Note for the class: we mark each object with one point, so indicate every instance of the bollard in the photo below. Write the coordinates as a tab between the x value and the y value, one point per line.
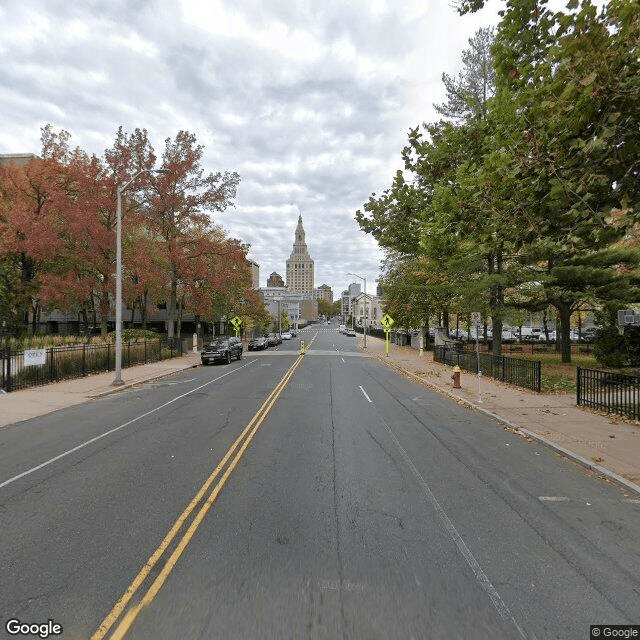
302	347
456	377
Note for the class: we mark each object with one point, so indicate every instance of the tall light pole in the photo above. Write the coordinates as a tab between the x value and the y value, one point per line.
119	189
365	306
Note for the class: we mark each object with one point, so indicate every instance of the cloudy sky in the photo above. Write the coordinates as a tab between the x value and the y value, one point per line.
310	101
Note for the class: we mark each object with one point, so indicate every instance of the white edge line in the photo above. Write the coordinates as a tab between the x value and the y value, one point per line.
122	426
480	575
365	394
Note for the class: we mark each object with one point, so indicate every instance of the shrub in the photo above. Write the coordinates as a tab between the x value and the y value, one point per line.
139	335
614	350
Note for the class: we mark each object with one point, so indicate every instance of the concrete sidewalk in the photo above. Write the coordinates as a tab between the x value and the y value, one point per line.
605	443
36	401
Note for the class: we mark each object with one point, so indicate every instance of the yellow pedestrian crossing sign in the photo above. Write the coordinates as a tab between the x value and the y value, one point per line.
236	322
386	321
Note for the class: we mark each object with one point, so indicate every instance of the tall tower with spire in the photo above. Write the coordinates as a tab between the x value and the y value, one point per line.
300	264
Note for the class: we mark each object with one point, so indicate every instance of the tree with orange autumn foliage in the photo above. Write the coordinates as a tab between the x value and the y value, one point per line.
57	230
178	214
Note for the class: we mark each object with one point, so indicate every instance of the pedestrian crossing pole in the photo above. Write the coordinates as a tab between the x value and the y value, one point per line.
386	321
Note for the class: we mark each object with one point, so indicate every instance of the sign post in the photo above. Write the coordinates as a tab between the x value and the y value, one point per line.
387	322
475	321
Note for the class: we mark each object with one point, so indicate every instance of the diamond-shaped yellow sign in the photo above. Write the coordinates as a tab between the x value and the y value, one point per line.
386	321
236	322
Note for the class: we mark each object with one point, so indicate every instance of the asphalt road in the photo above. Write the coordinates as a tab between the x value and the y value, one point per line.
355	504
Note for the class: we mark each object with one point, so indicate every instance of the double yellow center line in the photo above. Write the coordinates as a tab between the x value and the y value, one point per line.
233	455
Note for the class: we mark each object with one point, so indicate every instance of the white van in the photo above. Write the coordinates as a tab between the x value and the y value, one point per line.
529	334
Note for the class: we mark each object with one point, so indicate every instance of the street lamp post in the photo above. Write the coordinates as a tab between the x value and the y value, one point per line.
119	189
365	306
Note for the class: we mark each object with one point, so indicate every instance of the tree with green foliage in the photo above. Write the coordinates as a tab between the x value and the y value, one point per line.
468	95
576	89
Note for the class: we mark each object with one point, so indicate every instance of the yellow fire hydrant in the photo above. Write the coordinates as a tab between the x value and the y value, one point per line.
456	377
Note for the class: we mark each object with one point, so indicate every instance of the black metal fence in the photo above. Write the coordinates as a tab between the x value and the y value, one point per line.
533	347
612	392
522	373
76	361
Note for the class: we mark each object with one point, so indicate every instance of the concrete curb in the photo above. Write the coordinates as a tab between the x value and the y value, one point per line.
581	460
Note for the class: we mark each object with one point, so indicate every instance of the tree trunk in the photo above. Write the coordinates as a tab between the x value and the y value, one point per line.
35	316
565	328
104	307
171	309
142	302
84	322
496	328
496	303
133	314
179	333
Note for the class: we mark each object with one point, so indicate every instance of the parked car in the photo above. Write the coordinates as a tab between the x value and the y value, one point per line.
286	336
589	334
349	332
274	339
222	350
258	344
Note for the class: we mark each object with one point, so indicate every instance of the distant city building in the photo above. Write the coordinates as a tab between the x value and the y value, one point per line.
16	158
346	308
275	280
255	274
324	292
300	271
301	307
373	309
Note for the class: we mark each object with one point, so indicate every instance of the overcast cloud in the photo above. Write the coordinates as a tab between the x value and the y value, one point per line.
309	101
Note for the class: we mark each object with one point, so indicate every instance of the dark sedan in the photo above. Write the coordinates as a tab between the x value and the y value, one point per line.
258	344
222	350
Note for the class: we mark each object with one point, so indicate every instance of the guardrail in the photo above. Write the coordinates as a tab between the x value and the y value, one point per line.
517	371
612	392
77	361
